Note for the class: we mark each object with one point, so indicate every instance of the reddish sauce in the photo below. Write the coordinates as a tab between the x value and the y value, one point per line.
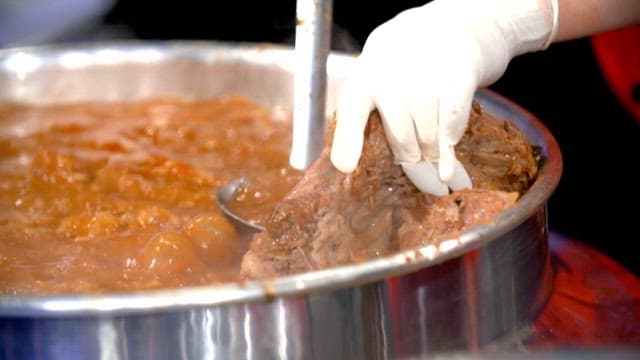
109	197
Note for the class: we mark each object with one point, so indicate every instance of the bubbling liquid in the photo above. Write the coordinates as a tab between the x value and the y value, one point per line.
114	197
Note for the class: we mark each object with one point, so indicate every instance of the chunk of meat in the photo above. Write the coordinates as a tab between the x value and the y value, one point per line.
330	218
452	214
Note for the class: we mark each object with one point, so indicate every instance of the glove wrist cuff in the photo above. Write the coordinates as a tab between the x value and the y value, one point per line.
502	28
527	25
553	5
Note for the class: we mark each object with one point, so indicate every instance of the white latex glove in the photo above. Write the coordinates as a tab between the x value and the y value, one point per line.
421	69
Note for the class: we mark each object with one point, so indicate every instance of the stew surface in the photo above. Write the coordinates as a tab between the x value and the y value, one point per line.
110	197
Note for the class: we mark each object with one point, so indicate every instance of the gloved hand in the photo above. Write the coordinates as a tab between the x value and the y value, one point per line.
421	69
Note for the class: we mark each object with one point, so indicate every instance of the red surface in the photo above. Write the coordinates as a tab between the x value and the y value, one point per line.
595	301
618	54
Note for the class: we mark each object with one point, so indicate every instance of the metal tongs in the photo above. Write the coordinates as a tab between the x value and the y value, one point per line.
312	46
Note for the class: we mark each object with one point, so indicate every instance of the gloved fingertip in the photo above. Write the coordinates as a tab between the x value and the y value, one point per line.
425	177
460	178
348	139
343	159
446	163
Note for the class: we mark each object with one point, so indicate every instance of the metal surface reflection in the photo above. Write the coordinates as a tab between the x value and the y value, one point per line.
469	295
353	324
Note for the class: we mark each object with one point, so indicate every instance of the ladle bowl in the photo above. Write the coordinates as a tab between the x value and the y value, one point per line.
225	195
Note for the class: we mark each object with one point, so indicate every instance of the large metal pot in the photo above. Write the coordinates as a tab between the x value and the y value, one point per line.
475	291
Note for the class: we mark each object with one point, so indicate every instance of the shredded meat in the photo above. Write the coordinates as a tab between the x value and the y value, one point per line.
331	218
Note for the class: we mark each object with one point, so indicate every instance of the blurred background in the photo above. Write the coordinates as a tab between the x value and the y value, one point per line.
566	86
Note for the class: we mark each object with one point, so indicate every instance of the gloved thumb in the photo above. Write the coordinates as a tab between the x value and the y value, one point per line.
352	113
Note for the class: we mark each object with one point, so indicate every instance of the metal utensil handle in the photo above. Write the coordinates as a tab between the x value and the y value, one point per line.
312	45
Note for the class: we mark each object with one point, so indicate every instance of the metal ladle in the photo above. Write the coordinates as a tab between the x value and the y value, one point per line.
312	46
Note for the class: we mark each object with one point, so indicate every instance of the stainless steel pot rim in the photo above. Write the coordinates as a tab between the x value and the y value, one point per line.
269	290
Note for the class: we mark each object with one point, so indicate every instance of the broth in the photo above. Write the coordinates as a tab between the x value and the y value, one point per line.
113	197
